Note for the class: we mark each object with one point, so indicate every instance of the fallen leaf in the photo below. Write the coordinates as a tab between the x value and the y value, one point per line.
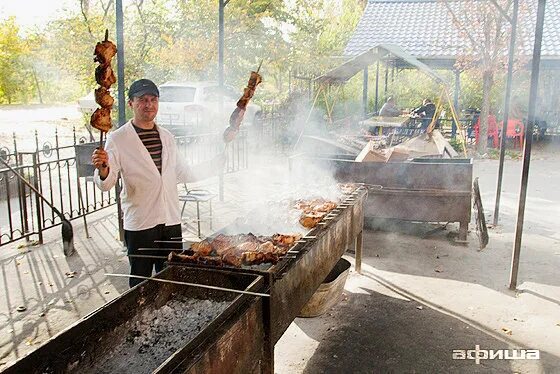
71	274
438	269
419	307
507	331
107	292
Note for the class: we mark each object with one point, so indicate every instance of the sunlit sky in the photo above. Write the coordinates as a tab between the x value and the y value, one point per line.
37	13
30	13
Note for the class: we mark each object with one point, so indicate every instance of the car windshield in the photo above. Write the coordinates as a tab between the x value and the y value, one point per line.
177	94
212	93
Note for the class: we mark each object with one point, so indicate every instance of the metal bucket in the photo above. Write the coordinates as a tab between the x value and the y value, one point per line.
329	292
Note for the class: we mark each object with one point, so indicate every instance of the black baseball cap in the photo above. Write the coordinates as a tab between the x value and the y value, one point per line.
142	87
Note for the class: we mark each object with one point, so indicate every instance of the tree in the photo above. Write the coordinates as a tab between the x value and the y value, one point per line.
486	33
15	80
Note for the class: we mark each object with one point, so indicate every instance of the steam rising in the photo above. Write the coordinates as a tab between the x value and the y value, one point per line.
271	189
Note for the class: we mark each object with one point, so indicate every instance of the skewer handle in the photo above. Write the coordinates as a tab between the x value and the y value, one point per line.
106	34
101	145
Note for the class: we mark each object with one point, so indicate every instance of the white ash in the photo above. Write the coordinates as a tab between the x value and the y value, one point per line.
155	335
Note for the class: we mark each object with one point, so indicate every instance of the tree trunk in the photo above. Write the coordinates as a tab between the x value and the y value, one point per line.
37	85
487	82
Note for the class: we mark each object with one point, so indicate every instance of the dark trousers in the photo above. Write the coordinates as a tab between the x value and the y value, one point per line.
145	239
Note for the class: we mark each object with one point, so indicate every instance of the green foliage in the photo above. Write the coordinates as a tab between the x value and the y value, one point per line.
15	81
178	40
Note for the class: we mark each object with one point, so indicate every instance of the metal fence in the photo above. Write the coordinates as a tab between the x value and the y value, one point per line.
63	174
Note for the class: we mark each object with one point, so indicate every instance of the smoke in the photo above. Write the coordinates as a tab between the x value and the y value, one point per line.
269	190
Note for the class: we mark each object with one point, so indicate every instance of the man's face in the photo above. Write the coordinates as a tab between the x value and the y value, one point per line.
145	107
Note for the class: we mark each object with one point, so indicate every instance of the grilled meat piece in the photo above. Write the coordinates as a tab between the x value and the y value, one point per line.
103	97
176	257
104	76
285	240
267	247
313	211
236	118
310	220
195	259
319	205
221	244
231	258
203	248
247	247
211	260
101	119
254	80
104	52
256	258
325	206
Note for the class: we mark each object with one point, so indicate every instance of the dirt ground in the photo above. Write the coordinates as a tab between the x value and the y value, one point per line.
420	296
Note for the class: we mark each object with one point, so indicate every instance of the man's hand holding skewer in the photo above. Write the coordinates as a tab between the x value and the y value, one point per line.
100	160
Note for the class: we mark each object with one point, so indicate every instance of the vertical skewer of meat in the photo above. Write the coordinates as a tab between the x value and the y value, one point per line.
237	116
105	77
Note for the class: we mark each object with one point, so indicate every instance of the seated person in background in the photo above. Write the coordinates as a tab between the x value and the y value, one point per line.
389	109
517	110
426	112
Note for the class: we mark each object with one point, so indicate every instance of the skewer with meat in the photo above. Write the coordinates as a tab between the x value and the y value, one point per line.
105	77
237	116
283	240
238	250
313	211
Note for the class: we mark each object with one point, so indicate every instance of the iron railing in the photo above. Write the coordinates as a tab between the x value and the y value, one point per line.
64	176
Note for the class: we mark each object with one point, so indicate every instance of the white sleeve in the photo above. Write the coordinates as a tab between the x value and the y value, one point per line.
114	167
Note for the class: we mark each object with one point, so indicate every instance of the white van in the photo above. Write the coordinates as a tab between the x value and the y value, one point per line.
192	107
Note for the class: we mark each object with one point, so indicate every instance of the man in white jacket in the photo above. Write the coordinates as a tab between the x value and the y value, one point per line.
146	157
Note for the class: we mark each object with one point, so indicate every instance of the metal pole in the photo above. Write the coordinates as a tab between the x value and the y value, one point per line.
222	5
377	88
456	101
221	8
365	92
528	140
386	80
120	61
121	98
37	175
509	84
